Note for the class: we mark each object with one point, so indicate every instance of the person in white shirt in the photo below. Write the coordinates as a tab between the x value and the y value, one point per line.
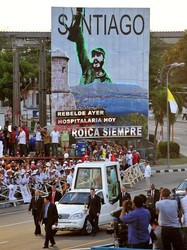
147	174
23	184
38	137
129	159
184	113
55	140
168	211
22	142
69	177
184	211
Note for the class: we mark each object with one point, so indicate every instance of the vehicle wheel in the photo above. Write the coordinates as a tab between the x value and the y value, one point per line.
87	229
54	232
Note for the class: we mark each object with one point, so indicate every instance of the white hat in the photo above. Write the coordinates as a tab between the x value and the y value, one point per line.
10	170
66	155
48	164
32	162
22	172
35	172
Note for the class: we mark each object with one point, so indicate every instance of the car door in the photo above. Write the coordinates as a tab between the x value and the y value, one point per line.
104	216
113	185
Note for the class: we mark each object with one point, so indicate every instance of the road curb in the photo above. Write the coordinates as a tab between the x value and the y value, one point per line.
169	170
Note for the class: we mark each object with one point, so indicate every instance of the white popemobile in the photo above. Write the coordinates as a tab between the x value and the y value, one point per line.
104	176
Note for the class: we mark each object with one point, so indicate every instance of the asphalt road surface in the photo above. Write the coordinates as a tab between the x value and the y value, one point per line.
180	133
17	227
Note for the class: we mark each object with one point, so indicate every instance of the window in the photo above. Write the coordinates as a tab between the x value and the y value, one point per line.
74	198
89	177
112	182
182	186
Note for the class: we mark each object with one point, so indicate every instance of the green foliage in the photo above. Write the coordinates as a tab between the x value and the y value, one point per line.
160	55
156	60
139	120
174	149
158	103
178	53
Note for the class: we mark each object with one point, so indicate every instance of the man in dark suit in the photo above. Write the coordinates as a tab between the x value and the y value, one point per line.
122	196
94	206
155	193
54	195
49	217
36	206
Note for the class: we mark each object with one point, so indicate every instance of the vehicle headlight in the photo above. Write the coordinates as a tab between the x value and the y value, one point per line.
76	216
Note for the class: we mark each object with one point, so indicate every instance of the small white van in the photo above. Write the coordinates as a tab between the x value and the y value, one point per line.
104	176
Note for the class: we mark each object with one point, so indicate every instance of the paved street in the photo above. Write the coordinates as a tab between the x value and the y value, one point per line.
16	228
16	232
180	133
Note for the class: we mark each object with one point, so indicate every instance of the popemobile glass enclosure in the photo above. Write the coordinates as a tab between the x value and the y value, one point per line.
103	176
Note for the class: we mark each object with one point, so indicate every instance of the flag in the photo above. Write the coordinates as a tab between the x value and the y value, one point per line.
172	103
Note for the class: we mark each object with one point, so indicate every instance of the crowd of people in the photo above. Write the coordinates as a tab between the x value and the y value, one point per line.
42	142
30	175
17	142
155	221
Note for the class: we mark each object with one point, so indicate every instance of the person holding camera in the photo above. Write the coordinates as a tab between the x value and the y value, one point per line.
168	214
138	223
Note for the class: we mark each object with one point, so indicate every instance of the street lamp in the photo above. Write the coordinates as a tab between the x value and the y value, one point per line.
171	66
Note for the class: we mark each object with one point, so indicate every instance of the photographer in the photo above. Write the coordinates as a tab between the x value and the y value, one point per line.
169	221
120	229
138	223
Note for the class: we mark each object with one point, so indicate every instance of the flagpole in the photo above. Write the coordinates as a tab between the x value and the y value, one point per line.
171	66
168	137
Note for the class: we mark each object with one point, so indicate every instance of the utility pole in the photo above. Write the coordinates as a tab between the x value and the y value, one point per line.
16	89
42	85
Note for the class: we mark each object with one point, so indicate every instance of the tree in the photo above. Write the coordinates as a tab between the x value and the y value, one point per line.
160	55
156	60
159	106
158	97
28	65
6	78
178	53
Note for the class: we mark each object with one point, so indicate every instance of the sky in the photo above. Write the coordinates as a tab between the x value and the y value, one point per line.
35	15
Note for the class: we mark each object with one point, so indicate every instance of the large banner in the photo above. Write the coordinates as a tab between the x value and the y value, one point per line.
100	71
